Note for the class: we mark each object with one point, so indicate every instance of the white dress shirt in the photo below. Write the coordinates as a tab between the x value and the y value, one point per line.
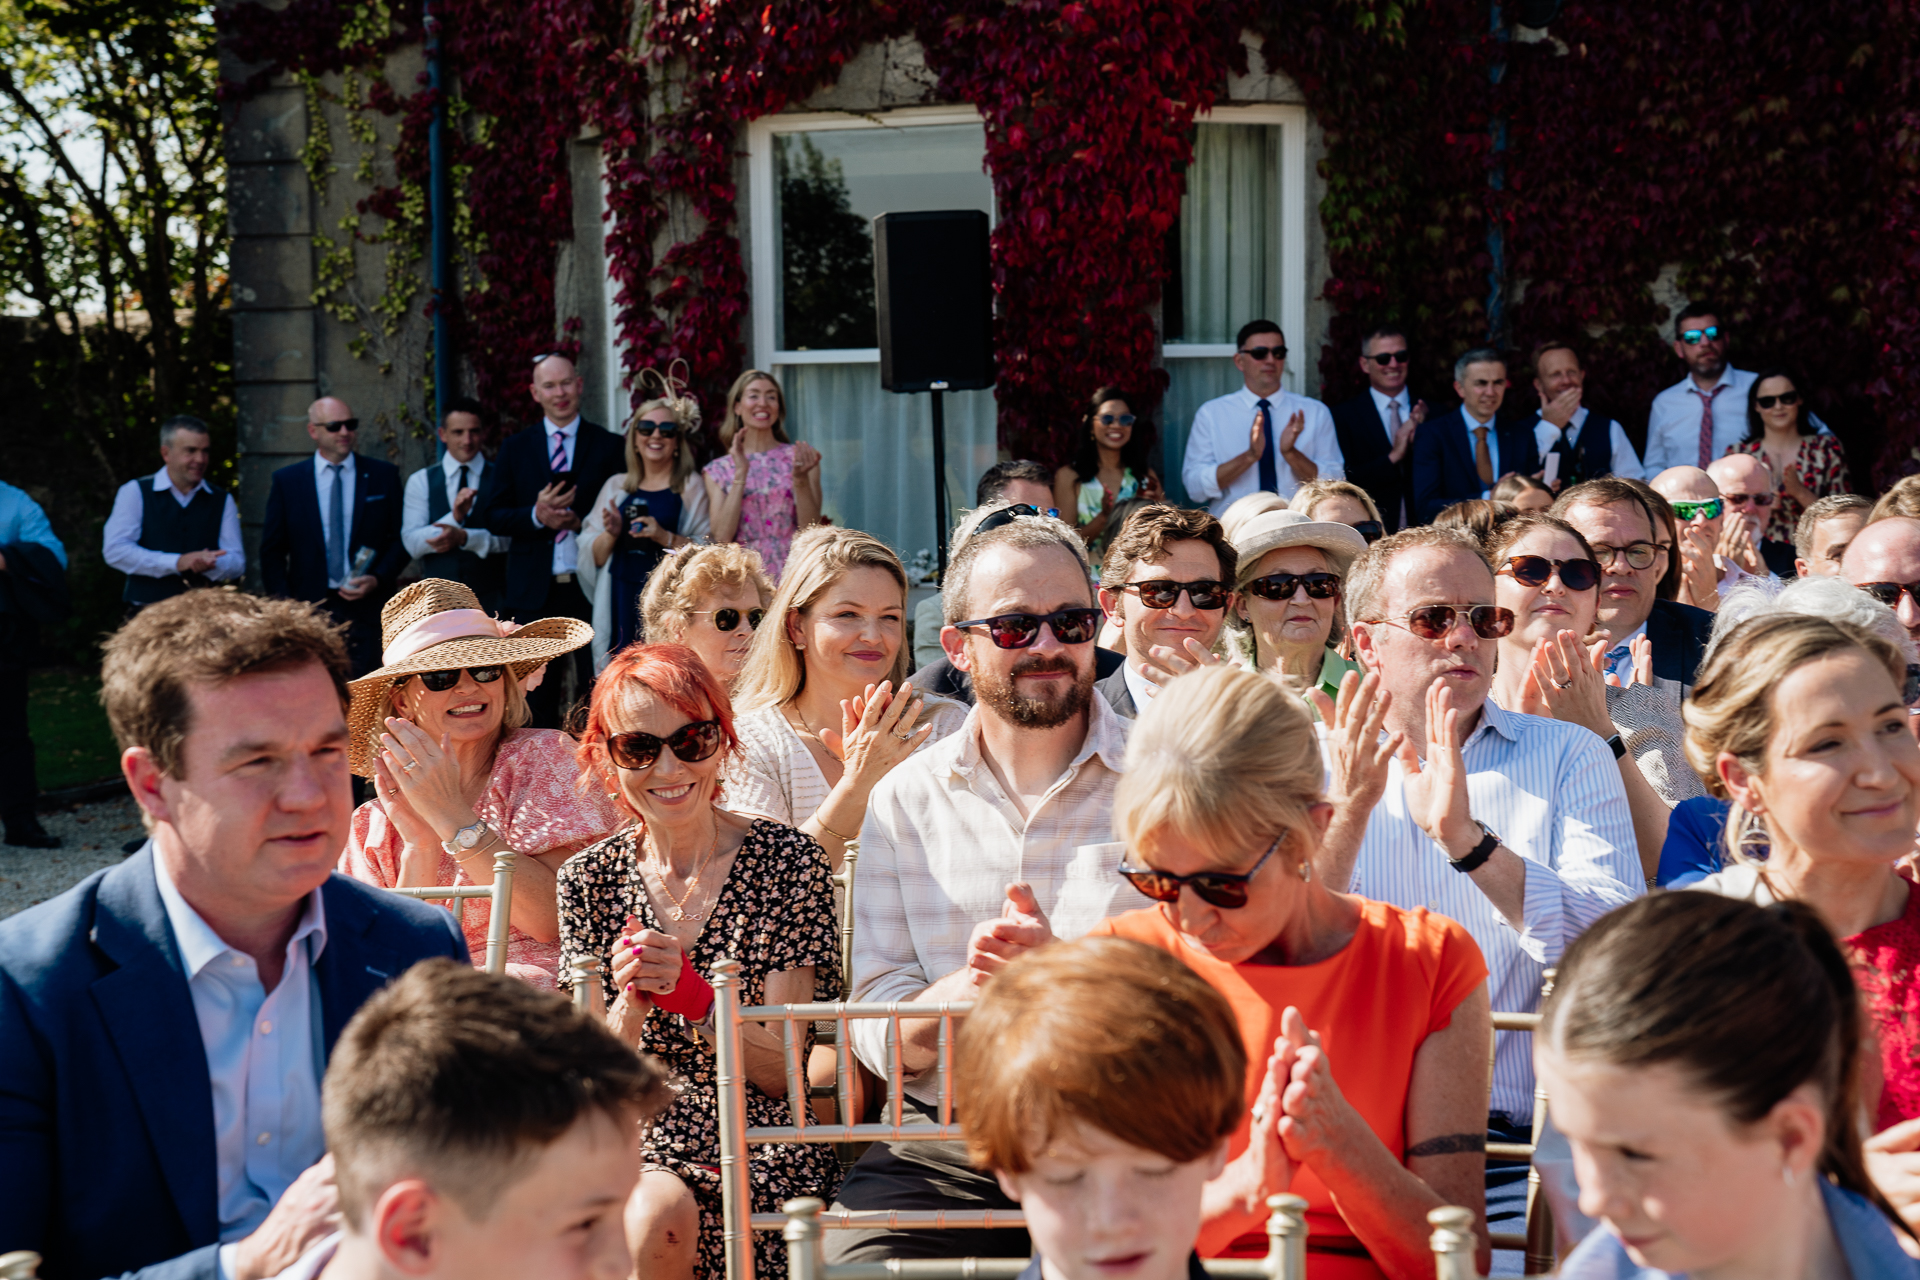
566	554
120	540
264	1058
1381	403
1139	686
1624	462
323	481
1220	428
415	528
941	843
1553	794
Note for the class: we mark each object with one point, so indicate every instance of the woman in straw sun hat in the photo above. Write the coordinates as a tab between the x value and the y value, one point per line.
440	728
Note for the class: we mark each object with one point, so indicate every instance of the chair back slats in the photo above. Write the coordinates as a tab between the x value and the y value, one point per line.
730	1083
588	997
843	881
500	908
1453	1243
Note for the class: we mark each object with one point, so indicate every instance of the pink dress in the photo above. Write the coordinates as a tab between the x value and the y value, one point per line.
768	515
532	799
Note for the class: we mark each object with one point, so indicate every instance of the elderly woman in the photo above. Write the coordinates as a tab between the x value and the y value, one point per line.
457	777
765	488
1357	1103
659	904
712	599
1342	502
1286	615
825	708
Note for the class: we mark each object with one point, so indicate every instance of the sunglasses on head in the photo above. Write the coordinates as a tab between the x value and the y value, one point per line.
1392	357
344	424
650	428
1639	555
1281	586
1888	593
441	681
690	744
1694	337
1018	630
728	619
1164	593
1742	499
1262	353
1537	571
1227	889
1788	398
1434	621
1688	510
1124	419
1007	515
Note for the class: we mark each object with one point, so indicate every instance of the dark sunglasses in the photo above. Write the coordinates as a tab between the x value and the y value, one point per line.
1888	593
344	424
1018	630
1742	499
1227	889
441	681
690	744
1164	593
1124	419
1788	398
1688	510
1392	357
1434	621
1281	586
1537	571
728	619
1371	530
1694	337
649	428
1639	554
1007	515
1261	353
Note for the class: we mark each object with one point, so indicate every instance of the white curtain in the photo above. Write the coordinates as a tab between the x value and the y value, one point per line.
1191	382
876	449
1230	231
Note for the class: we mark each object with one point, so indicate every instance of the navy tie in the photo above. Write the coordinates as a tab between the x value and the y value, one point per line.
1269	456
336	529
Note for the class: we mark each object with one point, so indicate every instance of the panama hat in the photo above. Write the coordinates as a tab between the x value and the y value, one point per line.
1271	530
438	625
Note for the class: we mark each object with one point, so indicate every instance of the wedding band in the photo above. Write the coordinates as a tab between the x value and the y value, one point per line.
1564	684
904	737
410	765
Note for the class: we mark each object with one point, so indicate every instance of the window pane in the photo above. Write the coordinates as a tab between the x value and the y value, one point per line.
830	185
1191	383
1228	254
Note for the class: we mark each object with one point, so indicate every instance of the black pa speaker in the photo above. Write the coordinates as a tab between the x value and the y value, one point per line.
933	281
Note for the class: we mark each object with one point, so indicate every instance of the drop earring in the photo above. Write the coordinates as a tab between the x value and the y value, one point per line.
1306	872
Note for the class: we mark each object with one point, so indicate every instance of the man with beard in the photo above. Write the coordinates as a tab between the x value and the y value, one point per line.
980	848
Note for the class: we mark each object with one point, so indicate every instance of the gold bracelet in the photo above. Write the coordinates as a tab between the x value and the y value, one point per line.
830	831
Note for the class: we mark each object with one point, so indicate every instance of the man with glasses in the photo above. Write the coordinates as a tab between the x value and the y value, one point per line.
1376	428
1464	453
1884	562
1745	480
1825	531
1514	825
439	500
332	531
1166	582
1260	438
1590	444
981	847
1715	552
1700	417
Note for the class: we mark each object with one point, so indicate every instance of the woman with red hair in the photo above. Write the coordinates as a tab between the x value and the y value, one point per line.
658	904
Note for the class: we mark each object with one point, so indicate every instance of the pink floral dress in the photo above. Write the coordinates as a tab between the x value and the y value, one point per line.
533	800
768	515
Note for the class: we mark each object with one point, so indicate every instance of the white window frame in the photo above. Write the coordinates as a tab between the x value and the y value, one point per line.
760	195
1292	202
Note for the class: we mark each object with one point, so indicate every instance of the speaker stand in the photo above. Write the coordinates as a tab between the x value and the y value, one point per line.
940	476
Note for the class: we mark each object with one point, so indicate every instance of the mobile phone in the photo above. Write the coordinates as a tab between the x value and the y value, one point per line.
562	478
633	509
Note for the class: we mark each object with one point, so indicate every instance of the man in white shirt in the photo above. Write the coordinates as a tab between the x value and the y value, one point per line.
1259	438
1715	552
433	524
1562	427
172	530
981	847
1166	582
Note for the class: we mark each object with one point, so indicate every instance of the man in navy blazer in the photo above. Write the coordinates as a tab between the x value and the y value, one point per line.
305	554
165	1023
1377	427
1464	453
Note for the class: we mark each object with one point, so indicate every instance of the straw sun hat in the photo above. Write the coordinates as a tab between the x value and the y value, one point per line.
438	625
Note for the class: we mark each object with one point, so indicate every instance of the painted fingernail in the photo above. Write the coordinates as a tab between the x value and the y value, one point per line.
636	951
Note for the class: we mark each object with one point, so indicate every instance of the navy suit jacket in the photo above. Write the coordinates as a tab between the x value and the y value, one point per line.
293	543
1679	634
510	489
1363	443
1443	469
107	1160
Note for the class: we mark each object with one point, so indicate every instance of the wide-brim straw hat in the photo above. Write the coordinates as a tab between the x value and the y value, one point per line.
438	625
1272	530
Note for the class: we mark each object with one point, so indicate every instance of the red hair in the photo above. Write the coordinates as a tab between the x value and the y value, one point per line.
674	674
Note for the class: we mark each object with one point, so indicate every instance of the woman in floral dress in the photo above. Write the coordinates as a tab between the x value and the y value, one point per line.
659	904
765	487
1807	466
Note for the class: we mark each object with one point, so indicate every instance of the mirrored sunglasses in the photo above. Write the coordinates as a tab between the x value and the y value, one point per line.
1688	510
1164	593
1694	337
1020	630
690	744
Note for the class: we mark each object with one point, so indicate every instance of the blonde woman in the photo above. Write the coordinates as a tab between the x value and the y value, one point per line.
765	488
1342	502
711	599
825	708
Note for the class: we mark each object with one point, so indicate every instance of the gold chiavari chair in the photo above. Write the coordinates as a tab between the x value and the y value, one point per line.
499	894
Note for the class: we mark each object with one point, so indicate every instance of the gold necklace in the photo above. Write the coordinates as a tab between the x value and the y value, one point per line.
679	909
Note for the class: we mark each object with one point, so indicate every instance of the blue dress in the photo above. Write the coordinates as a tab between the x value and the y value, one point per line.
634	558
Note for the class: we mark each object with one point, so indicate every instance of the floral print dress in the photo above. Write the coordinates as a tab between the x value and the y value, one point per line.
774	913
768	513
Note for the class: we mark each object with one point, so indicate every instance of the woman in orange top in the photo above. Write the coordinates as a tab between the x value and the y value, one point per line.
1367	1026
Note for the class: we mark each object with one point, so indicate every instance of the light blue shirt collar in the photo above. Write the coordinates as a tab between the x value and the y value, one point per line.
200	946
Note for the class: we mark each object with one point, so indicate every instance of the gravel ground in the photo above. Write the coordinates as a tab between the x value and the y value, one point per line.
91	836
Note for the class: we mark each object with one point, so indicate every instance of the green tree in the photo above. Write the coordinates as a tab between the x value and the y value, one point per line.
827	252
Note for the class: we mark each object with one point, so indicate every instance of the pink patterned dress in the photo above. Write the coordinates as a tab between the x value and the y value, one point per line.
768	514
532	799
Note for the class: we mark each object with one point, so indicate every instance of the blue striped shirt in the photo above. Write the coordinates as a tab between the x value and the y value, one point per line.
1553	794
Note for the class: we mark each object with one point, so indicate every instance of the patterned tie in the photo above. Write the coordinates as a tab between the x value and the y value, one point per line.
1706	422
1393	423
559	460
1269	464
1617	655
336	528
1482	456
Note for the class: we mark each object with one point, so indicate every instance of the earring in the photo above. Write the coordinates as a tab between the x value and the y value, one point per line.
1306	871
1786	1174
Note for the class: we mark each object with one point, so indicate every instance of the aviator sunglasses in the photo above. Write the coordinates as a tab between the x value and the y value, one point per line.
1226	889
690	744
728	619
441	681
1434	621
1281	586
1019	630
1537	571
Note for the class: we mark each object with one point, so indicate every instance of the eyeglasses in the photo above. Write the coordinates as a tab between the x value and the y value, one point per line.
344	424
651	428
1164	593
690	744
1392	357
1371	530
1694	337
1007	515
1688	510
1888	593
1281	586
441	681
1124	419
1262	353
1226	889
1742	499
728	619
1639	555
1019	630
1537	571
1434	621
1788	398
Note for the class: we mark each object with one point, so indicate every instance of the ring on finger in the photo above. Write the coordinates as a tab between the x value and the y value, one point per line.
1564	684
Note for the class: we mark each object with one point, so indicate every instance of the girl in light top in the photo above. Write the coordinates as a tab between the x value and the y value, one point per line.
765	488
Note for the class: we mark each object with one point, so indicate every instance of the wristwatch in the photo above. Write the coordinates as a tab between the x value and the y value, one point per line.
467	838
1478	855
